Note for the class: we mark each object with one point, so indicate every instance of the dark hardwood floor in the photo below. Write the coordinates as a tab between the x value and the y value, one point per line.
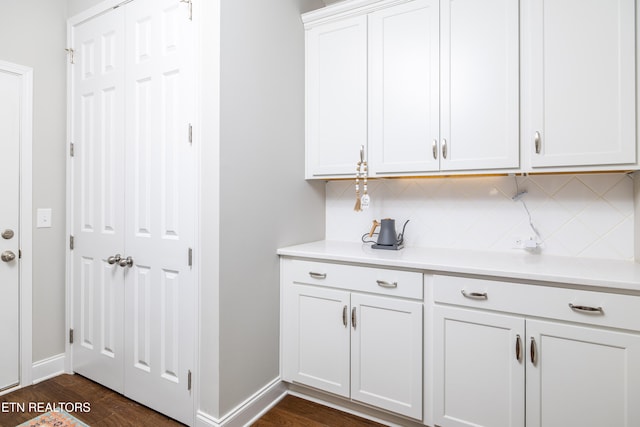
110	409
295	412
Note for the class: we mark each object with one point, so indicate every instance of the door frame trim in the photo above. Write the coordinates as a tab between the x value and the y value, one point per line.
25	230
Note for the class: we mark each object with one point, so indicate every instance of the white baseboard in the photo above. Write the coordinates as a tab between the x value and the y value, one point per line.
351	407
48	368
249	410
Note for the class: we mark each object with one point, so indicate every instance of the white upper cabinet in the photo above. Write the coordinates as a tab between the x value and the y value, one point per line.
431	87
581	94
404	89
479	77
336	97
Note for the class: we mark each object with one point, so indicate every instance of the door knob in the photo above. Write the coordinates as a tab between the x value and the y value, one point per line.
126	262
7	256
113	259
7	234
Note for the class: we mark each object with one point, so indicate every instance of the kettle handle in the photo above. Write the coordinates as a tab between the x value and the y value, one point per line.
373	227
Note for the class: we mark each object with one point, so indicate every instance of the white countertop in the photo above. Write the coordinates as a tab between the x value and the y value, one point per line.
623	275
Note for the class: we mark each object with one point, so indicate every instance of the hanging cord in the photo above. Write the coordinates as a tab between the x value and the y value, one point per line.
520	197
401	235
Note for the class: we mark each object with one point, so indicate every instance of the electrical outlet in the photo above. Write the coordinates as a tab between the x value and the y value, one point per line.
517	242
528	243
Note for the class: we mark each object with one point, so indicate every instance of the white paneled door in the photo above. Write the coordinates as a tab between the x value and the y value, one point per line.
134	204
9	221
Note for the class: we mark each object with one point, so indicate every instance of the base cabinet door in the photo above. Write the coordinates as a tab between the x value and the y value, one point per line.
363	347
582	376
479	372
386	353
318	342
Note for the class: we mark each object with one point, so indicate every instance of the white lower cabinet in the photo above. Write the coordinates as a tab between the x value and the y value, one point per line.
478	375
582	376
576	374
356	345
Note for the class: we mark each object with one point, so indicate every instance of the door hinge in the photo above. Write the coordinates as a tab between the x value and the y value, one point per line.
71	242
190	257
70	336
71	53
71	149
189	381
190	3
190	134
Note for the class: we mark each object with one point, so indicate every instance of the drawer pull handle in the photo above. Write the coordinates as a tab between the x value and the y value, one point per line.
518	347
344	316
353	318
587	309
318	275
534	355
384	284
474	295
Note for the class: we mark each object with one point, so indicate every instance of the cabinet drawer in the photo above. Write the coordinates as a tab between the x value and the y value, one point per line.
574	305
406	284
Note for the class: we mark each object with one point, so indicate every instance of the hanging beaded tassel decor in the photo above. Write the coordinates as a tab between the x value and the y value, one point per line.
362	202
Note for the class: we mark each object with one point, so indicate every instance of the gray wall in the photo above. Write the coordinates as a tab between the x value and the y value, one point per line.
33	33
76	6
258	192
264	201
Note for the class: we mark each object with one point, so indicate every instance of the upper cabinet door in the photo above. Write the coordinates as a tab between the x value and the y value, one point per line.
404	88
336	103
480	84
582	91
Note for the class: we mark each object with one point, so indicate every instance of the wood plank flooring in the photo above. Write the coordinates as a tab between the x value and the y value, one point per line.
295	412
110	409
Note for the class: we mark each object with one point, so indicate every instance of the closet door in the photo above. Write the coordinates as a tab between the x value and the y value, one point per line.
98	198
134	204
160	207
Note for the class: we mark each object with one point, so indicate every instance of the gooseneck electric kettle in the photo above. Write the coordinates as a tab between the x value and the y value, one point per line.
387	238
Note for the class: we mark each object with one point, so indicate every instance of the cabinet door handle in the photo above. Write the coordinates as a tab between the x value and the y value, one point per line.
533	352
318	275
344	316
537	142
353	318
518	348
475	295
587	309
434	149
384	284
444	148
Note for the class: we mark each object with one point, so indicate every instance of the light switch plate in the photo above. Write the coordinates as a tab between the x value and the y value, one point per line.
43	218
